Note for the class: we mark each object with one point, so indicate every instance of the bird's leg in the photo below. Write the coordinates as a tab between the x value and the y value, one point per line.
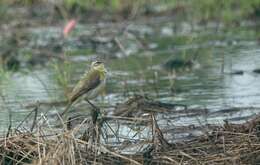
93	106
94	113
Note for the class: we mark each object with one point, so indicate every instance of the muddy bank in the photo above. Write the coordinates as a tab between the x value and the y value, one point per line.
31	34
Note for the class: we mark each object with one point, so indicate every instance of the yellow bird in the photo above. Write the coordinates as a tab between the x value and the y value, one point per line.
90	85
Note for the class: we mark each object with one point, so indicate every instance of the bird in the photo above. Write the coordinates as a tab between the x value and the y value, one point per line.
89	86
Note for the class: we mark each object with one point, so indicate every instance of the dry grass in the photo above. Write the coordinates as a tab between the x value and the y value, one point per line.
90	143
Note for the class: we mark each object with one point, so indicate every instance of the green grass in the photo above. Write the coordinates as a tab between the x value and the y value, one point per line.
62	74
227	11
4	74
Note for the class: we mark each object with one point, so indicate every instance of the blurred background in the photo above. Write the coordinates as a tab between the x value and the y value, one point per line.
201	53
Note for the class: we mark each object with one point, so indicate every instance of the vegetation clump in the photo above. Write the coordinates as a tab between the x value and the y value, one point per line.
228	144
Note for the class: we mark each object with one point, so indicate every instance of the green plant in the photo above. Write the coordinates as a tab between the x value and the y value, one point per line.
62	74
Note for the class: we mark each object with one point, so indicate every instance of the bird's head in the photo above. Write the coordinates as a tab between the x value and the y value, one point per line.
99	66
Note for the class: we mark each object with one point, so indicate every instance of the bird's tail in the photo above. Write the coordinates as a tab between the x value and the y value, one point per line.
66	109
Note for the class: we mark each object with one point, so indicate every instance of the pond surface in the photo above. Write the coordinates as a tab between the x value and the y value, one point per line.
208	84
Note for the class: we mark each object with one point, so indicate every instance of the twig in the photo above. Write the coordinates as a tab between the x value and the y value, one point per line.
125	118
20	124
9	116
170	159
187	155
120	156
121	47
35	117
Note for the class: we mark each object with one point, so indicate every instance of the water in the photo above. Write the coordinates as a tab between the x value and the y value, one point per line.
139	71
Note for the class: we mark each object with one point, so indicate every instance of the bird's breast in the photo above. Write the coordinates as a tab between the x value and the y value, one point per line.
96	91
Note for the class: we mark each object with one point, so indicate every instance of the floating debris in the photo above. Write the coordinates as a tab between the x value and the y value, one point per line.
175	64
138	105
256	71
237	72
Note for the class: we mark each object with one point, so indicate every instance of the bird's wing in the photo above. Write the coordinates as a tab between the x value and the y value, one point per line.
88	82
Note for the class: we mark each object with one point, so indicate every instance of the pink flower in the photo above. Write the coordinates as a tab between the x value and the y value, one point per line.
69	27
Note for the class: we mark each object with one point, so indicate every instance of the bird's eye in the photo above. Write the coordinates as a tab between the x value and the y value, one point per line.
97	63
